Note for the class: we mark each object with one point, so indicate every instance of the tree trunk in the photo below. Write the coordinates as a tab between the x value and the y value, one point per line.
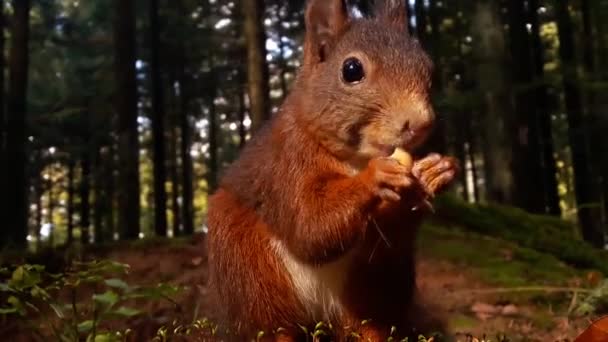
421	22
545	136
14	191
99	198
85	191
2	111
51	213
213	168
438	139
525	133
587	195
257	68
158	124
38	219
242	109
490	61
70	204
126	107
173	167
109	180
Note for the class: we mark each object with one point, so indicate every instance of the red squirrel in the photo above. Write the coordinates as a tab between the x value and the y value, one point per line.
314	221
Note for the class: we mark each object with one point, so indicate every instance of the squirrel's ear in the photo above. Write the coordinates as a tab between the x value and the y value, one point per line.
325	21
394	11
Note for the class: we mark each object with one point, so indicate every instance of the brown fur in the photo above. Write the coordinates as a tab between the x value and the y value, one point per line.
313	178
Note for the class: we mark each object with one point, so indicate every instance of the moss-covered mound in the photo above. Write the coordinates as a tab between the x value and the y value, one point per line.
545	234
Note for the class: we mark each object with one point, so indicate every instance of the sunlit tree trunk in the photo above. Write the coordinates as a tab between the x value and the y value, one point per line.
587	194
15	181
493	85
257	68
126	107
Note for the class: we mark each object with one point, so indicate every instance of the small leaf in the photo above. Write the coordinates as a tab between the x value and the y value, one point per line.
126	312
86	326
108	298
117	283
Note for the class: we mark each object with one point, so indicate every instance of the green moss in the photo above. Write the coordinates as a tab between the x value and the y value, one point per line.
495	261
462	322
540	233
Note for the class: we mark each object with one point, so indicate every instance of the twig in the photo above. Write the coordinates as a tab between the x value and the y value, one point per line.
526	289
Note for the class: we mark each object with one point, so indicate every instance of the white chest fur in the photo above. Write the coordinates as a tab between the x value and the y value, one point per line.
319	288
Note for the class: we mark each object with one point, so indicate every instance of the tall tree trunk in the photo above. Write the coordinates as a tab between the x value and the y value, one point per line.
545	136
158	124
85	197
173	169
587	195
597	103
421	22
99	197
70	204
527	170
14	191
213	165
438	140
490	61
39	189
109	180
51	212
126	107
257	68
242	109
2	111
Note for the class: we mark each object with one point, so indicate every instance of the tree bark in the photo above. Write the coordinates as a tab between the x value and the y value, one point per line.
175	185
587	194
421	22
85	204
2	111
70	204
14	190
99	198
51	213
257	68
212	170
527	171
242	111
545	136
126	107
490	61
158	124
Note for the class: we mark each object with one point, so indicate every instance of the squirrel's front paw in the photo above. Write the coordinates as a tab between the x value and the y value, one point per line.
387	178
435	172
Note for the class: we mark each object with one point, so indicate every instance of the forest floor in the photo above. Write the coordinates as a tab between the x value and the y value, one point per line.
482	284
485	285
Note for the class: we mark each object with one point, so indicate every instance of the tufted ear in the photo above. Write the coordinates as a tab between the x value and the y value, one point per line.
326	20
393	11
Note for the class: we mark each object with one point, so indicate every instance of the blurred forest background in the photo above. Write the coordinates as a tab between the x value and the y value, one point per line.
117	117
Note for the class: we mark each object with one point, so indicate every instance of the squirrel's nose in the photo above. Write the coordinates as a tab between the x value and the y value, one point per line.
420	124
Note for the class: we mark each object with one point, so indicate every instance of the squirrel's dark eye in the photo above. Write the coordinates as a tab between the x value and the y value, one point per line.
352	71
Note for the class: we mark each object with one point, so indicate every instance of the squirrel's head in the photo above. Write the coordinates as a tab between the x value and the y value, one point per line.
365	83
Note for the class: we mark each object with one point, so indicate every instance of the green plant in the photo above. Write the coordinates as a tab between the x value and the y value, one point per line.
28	290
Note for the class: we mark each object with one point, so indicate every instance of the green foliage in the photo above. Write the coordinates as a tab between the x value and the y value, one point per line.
596	302
29	290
